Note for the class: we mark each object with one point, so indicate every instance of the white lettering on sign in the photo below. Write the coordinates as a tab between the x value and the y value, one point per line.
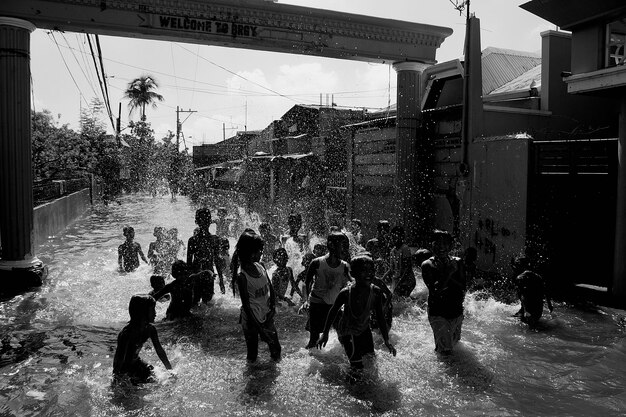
208	26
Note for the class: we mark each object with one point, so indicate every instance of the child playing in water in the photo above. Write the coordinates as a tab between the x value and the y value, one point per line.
225	259
156	251
173	245
294	221
222	224
157	282
271	244
359	301
373	247
203	249
128	253
307	258
282	276
531	292
257	297
186	290
131	339
445	281
325	277
401	265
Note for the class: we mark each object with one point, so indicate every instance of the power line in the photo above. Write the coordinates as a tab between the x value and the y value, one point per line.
107	101
82	96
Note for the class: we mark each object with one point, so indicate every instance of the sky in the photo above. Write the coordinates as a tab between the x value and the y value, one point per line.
233	89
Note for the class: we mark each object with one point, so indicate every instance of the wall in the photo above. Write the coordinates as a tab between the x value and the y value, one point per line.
51	218
496	210
373	166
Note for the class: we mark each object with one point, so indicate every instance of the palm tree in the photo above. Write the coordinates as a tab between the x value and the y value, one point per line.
140	93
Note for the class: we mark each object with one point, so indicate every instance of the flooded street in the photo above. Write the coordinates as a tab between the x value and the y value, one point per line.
58	344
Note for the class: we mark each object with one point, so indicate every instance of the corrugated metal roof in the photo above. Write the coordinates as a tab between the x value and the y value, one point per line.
500	66
523	82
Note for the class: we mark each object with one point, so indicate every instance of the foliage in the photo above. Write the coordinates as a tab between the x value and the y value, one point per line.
140	94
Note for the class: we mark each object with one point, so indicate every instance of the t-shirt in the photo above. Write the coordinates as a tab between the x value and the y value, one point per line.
328	281
446	286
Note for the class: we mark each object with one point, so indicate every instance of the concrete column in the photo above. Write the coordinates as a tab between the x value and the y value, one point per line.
19	268
618	289
413	183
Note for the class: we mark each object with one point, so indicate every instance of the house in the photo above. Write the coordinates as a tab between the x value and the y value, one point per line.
508	173
598	70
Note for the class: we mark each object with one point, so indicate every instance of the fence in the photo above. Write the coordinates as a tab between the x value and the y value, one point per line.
44	191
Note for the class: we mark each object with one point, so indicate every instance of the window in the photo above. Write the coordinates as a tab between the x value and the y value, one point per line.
615	44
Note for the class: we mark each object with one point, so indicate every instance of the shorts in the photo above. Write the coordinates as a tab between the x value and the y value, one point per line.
447	332
357	346
318	312
138	372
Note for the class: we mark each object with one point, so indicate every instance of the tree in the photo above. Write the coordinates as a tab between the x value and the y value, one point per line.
140	93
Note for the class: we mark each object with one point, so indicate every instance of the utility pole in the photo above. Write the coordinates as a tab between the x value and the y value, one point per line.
119	122
179	124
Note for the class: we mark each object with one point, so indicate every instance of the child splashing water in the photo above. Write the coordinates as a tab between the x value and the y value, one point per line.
359	301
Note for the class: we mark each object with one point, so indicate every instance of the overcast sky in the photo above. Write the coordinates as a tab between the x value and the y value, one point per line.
225	86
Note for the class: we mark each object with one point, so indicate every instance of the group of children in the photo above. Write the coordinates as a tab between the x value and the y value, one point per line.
348	293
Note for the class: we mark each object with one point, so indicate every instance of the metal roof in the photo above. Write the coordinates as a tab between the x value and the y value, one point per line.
500	66
570	13
529	79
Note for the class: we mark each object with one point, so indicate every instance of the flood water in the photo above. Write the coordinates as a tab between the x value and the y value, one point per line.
58	344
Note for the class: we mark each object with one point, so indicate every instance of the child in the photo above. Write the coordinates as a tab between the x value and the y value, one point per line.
203	249
359	301
401	265
128	253
186	290
531	292
283	276
373	247
257	297
355	229
173	245
325	277
271	243
319	249
222	224
157	282
294	221
307	258
131	339
446	291
156	251
225	259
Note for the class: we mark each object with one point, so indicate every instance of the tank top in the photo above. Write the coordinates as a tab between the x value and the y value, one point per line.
328	281
258	293
352	325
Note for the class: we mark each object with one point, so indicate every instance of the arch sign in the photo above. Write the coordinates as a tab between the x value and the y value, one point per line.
252	24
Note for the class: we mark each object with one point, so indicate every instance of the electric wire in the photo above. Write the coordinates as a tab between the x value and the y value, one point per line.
107	101
82	96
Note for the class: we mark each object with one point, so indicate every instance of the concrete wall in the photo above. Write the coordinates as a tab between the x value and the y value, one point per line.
496	214
373	167
53	217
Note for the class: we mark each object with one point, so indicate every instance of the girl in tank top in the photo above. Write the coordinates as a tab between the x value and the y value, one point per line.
257	297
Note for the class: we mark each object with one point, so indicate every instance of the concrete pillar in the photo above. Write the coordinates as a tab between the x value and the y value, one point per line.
618	289
19	268
413	186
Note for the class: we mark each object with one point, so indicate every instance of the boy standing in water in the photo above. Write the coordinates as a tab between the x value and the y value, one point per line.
222	224
359	301
307	258
294	221
156	251
128	253
325	277
257	297
131	339
445	280
185	290
203	250
283	276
